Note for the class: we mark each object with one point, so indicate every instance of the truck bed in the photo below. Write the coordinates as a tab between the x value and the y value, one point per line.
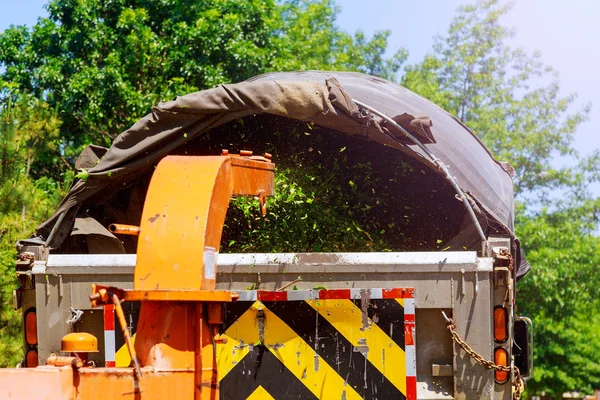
459	283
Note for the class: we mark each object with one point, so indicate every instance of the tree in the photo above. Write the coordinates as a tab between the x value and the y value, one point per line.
103	64
28	131
310	40
512	101
561	294
509	98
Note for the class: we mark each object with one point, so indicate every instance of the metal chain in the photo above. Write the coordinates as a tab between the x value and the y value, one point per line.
518	384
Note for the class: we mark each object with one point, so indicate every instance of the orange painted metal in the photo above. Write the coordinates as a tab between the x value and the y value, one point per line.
211	316
122	229
251	175
79	342
181	295
165	336
207	378
100	295
181	228
60	361
183	218
60	383
37	383
179	240
215	313
120	383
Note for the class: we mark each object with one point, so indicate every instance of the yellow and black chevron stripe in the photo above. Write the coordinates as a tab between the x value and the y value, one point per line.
314	349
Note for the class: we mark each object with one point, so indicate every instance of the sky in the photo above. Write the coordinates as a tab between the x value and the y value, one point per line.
567	32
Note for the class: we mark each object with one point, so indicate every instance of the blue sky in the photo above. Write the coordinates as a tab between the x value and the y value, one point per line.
566	32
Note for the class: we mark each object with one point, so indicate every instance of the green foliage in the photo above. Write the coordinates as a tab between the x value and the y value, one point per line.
512	101
333	193
299	220
310	39
561	294
509	98
28	137
103	64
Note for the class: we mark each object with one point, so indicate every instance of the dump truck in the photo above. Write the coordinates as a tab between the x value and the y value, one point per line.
125	292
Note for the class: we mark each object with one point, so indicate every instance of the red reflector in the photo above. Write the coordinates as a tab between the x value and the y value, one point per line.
501	358
31	328
31	358
500	324
271	296
334	294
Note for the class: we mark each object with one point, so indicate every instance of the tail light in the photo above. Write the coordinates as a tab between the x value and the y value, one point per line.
31	338
31	358
500	324
31	328
501	358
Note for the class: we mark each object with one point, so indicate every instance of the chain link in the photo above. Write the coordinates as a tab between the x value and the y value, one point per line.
518	384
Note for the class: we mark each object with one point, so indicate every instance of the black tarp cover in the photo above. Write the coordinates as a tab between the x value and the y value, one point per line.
320	98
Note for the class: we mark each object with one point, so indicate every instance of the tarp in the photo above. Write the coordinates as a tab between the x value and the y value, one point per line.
320	98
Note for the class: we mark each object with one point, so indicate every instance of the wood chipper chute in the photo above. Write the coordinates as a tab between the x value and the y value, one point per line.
179	237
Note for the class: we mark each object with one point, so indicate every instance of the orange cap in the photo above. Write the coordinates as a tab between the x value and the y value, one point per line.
79	342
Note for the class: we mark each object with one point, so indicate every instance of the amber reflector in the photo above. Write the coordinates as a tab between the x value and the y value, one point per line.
500	324
501	358
79	342
31	328
31	358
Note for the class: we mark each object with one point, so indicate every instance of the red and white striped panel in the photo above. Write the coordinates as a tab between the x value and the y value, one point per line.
409	347
109	336
325	294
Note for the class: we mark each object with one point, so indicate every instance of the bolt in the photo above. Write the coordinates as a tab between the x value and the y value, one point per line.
220	339
224	152
268	156
246	153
